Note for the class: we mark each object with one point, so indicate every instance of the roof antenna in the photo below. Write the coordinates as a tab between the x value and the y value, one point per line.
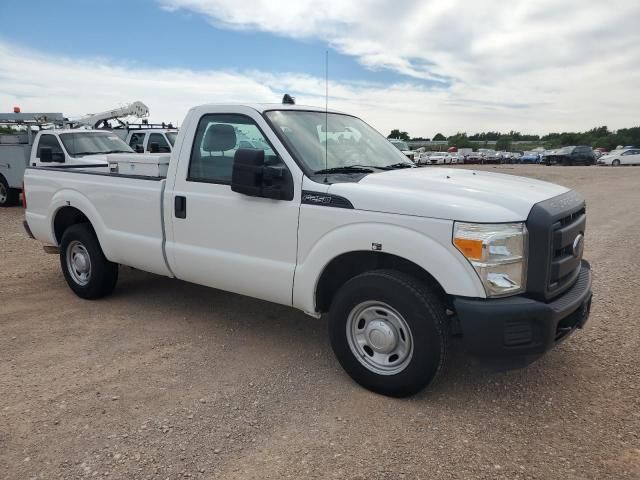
326	112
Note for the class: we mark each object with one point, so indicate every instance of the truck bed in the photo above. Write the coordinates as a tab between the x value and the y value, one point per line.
125	211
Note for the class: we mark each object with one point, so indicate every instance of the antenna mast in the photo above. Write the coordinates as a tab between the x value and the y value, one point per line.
326	112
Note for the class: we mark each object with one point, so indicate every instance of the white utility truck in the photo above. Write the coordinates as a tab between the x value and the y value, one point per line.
401	258
63	141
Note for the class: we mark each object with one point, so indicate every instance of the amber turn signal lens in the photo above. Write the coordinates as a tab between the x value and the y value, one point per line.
472	249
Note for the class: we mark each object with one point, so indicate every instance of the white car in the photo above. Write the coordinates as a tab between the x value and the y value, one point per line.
439	158
630	156
455	158
400	258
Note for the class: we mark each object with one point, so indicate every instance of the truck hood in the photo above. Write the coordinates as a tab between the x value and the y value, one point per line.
452	194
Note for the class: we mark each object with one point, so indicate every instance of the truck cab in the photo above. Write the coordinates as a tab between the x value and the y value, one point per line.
152	140
66	147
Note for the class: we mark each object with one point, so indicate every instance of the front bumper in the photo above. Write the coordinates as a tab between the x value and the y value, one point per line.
522	327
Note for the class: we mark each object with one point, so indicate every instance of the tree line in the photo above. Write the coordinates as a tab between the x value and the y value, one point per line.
596	137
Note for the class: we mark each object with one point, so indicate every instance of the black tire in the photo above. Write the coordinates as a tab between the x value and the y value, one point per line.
615	163
103	274
8	196
423	313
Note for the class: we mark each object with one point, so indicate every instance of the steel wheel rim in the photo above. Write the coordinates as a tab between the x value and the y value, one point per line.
379	337
3	193
78	263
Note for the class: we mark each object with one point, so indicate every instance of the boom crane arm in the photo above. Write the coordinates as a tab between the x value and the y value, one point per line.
135	109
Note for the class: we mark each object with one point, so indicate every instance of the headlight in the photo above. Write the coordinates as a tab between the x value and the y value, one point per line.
497	252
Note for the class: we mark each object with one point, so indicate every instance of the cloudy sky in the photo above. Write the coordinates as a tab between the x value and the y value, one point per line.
424	66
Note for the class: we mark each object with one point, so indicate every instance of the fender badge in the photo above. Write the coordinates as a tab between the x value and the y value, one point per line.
376	247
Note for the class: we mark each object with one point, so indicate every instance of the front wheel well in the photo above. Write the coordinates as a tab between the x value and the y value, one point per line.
65	217
348	265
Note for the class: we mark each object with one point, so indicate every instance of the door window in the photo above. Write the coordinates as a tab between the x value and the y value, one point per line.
163	145
51	142
137	142
218	137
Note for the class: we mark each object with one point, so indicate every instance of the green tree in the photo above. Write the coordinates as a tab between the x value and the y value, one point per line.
395	133
438	137
504	143
460	140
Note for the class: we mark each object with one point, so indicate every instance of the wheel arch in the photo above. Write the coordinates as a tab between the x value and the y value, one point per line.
351	264
351	249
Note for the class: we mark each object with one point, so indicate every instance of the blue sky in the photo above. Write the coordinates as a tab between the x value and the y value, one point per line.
181	39
423	66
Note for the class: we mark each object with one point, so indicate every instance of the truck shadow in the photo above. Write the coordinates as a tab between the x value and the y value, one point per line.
466	379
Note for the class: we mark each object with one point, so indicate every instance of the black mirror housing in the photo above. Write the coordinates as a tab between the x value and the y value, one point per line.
250	176
246	176
46	155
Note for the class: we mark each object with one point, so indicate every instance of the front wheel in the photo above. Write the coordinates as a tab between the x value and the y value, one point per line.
389	332
87	272
616	163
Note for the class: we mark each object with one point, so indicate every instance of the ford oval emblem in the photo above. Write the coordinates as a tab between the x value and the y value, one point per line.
578	246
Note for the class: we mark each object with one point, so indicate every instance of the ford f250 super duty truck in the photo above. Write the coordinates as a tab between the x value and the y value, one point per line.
401	258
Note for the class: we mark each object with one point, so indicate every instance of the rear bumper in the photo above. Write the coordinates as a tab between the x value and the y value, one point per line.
520	327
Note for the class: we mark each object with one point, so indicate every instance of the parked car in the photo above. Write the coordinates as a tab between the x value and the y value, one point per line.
580	155
439	158
339	221
455	158
530	157
473	157
490	156
404	148
423	158
629	156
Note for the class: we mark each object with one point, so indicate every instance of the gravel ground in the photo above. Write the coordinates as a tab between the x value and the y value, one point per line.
166	379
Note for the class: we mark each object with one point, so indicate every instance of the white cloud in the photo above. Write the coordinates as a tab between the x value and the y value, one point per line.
561	93
572	63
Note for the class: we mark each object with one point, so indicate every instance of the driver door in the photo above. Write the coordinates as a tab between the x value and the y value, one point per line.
224	239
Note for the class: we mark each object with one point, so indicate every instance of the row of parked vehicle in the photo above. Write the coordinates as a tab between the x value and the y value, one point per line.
571	155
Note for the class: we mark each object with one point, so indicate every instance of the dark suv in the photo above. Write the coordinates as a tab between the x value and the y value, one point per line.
580	155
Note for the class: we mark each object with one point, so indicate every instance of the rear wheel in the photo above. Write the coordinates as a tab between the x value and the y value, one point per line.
87	272
8	196
389	332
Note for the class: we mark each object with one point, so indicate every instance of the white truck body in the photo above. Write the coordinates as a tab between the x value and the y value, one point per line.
279	250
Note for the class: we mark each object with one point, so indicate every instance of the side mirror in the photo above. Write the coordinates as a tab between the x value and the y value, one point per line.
246	176
139	148
250	176
57	157
46	155
154	147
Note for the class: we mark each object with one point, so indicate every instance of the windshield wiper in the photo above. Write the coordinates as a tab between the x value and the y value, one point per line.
394	166
118	151
346	169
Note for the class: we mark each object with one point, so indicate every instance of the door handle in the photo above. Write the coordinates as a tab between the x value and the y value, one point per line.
180	206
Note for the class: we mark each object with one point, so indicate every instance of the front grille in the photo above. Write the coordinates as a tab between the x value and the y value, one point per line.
553	226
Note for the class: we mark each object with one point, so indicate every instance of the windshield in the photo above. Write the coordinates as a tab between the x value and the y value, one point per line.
171	136
92	143
348	140
400	145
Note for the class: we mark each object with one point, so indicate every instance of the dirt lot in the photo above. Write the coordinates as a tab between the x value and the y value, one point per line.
171	380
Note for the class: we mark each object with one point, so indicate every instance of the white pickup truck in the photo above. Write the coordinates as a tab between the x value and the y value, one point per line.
56	147
401	258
